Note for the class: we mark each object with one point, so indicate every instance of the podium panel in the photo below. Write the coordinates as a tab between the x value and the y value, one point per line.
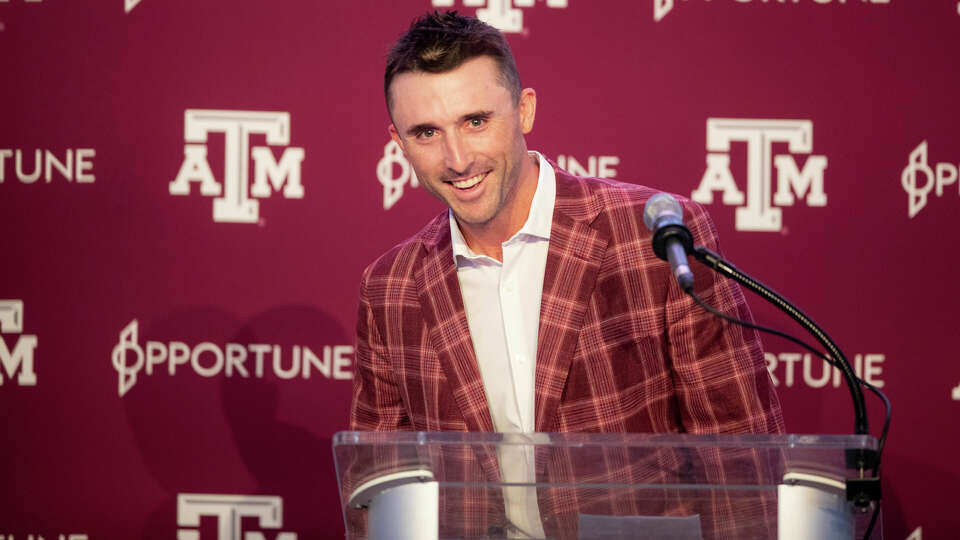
599	486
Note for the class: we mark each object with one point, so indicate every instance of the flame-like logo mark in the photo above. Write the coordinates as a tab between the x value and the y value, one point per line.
917	196
127	373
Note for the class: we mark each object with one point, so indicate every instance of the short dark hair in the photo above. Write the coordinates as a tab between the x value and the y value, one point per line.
440	42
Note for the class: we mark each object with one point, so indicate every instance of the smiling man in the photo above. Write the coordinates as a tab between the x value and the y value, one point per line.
535	304
462	130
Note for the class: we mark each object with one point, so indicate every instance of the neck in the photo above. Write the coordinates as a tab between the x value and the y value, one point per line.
488	238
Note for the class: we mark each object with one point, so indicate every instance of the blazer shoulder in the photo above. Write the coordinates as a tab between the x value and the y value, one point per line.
586	197
617	207
594	200
617	193
399	262
613	195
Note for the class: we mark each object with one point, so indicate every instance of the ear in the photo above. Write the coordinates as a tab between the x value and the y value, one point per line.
396	137
528	109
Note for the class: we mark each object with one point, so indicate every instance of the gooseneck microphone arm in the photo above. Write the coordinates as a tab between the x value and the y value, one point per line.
727	269
671	240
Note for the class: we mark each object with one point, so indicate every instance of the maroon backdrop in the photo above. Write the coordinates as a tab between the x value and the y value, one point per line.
189	190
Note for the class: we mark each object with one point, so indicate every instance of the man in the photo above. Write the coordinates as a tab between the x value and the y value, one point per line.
535	304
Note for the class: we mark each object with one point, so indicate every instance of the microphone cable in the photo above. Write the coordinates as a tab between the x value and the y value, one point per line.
886	401
672	241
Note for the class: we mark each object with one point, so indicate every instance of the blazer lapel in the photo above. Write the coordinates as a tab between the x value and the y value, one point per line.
442	307
573	261
446	319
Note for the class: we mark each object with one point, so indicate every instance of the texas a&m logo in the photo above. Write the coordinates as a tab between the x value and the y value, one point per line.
19	357
230	511
234	203
501	14
757	211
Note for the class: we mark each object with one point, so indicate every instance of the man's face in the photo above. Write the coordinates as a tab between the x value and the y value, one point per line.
463	135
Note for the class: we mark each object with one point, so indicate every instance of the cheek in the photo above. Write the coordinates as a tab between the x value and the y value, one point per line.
491	144
423	160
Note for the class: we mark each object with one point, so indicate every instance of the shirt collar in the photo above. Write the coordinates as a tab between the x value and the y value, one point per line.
539	220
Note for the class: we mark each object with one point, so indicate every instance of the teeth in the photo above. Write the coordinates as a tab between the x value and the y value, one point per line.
469	182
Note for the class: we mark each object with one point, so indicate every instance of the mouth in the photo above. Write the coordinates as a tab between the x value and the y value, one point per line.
468	183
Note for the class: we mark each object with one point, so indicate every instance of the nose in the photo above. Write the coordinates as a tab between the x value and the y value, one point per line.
456	154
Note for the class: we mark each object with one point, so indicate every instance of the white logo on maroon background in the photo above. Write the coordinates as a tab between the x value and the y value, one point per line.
75	166
758	214
129	5
208	359
393	163
21	357
662	7
501	14
63	536
803	369
230	511
596	166
943	174
234	204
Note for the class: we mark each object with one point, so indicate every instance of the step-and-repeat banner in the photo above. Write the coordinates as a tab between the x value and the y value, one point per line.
190	189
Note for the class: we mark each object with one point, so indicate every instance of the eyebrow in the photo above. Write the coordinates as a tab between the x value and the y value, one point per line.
420	128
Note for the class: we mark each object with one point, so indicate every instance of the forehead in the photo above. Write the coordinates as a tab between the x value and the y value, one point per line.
420	97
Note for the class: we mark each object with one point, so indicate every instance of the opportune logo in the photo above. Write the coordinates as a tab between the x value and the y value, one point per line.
662	7
793	368
394	171
597	166
230	511
392	162
21	358
501	14
935	178
758	214
234	204
75	165
66	536
208	359
129	5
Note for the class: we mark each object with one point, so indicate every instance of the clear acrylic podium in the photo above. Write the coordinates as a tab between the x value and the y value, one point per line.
425	486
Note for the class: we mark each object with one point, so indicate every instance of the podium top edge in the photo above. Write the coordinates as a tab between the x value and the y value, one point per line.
638	440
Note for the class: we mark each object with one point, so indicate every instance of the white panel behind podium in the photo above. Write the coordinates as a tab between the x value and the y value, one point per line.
400	505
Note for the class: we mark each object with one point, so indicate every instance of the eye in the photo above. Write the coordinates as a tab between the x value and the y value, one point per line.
427	133
477	122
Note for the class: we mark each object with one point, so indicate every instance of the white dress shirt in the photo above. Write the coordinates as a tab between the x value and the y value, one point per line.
502	303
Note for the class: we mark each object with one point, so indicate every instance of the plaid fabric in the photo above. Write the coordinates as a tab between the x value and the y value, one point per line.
620	349
667	476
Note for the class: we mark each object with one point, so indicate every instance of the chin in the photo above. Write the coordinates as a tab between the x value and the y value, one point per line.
473	218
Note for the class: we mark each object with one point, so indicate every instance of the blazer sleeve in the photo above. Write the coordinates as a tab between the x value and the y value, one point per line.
377	400
719	370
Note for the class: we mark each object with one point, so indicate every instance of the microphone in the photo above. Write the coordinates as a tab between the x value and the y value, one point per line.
663	215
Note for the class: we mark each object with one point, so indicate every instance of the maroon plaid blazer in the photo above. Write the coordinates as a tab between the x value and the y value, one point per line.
621	348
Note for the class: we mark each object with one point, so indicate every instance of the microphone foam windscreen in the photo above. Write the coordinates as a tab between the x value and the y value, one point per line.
659	206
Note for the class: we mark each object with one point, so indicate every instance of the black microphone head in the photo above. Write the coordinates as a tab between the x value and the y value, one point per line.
660	206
